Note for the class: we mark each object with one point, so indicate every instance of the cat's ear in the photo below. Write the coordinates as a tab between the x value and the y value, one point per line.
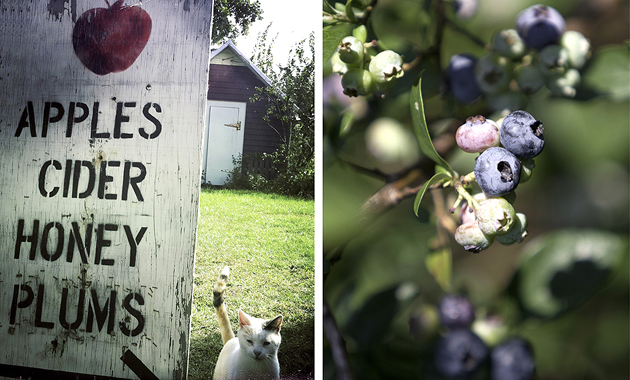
274	324
243	319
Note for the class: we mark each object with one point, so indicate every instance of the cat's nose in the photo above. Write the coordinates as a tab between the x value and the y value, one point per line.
257	352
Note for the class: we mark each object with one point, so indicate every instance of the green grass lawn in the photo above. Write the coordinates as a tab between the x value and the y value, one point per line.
267	241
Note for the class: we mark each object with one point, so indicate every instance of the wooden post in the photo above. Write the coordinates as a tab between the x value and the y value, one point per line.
101	122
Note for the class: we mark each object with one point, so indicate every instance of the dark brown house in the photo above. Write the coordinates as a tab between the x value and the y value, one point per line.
234	125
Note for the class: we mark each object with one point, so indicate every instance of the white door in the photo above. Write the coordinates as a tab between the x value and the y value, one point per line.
225	129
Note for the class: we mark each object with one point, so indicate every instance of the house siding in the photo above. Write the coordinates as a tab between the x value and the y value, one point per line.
233	83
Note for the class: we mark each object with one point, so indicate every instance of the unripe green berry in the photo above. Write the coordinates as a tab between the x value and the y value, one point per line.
491	329
505	102
517	233
553	59
510	197
508	44
392	145
386	66
471	238
356	82
351	50
492	73
530	79
564	84
578	47
381	89
481	197
527	166
338	66
495	216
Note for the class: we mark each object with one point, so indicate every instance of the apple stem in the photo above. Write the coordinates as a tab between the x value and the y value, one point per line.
107	2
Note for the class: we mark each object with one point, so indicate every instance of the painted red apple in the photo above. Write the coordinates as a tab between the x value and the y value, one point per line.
109	40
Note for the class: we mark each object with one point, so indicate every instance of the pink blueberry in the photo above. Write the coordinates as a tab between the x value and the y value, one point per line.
477	134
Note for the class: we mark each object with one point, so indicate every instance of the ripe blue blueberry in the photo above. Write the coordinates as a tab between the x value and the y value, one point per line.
460	74
539	26
459	354
465	9
497	171
512	360
456	311
522	135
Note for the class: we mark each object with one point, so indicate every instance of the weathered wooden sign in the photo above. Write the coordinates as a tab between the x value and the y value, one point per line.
101	119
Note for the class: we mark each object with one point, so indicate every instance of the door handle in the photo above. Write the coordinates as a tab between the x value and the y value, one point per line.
235	125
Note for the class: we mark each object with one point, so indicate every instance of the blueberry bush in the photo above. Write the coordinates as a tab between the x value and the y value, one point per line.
475	189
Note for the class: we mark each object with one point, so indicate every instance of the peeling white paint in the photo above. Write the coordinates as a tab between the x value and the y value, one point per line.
99	189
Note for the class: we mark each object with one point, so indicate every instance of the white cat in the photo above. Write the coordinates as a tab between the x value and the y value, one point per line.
253	354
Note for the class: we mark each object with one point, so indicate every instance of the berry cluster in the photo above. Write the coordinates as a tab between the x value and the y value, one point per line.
538	53
460	352
490	216
364	72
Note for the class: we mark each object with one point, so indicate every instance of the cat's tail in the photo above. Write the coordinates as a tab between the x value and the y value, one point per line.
219	306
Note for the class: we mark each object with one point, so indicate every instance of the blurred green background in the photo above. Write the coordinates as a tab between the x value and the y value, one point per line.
565	288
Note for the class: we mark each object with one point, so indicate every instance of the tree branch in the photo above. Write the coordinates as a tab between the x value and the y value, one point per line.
392	193
337	346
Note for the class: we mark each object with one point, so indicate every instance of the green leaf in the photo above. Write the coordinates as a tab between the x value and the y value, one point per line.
346	124
332	36
608	73
328	8
369	324
435	179
439	265
360	33
327	266
350	12
562	270
420	126
441	169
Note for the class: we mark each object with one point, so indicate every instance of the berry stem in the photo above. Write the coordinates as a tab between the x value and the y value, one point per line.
456	204
459	186
468	178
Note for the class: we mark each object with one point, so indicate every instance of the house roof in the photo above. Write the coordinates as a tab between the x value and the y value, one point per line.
246	61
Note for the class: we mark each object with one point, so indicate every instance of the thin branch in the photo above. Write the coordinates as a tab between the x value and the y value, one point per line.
392	193
468	34
445	221
337	345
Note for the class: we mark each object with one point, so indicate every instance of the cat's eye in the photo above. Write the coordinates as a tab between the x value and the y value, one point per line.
266	344
250	342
